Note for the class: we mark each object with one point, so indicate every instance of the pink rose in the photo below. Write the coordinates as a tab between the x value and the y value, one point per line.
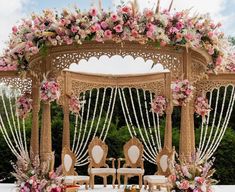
149	34
36	21
148	13
74	29
184	185
210	34
95	28
189	36
14	29
172	178
211	51
134	33
199	180
118	28
126	9
179	25
114	17
104	25
163	43
93	12
108	34
219	60
150	27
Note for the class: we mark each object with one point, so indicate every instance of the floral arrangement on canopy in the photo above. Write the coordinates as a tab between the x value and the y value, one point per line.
49	90
24	105
127	23
202	107
193	176
159	104
182	92
75	104
31	177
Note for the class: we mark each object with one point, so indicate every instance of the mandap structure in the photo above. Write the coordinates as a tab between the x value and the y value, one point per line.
200	80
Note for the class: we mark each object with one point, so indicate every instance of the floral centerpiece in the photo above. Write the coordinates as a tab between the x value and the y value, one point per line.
193	176
24	105
31	178
127	23
202	107
159	105
49	90
182	91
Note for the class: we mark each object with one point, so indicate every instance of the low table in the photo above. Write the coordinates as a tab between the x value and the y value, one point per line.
81	179
156	182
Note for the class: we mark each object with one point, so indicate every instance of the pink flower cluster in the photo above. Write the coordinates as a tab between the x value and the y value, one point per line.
192	176
125	24
74	105
24	105
202	107
32	178
49	90
182	91
159	105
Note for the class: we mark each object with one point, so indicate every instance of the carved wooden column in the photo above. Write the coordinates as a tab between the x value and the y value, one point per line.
45	142
34	141
193	148
66	124
169	110
186	130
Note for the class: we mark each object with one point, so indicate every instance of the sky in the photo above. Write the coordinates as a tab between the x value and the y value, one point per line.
11	11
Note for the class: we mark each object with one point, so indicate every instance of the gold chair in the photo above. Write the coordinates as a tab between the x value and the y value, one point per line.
70	176
133	152
98	166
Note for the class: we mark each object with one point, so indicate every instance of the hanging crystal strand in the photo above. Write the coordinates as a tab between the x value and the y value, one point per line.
124	113
207	123
81	155
111	115
224	125
80	127
213	123
148	120
75	131
156	126
108	111
100	115
87	117
143	122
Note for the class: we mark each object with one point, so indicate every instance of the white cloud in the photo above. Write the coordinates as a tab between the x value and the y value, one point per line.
11	11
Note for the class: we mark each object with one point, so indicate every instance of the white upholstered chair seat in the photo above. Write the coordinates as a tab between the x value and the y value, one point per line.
102	170
130	171
71	179
159	179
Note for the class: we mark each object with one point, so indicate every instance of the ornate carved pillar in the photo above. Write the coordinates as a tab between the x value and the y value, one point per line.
34	141
169	110
66	124
192	126
45	142
187	140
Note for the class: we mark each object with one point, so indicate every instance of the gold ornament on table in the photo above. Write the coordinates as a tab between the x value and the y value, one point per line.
132	188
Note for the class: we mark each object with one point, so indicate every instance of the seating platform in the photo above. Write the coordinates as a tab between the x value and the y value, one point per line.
109	188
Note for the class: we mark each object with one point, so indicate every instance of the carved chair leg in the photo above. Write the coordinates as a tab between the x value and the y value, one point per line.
140	181
105	181
118	179
114	179
125	180
145	184
92	181
86	185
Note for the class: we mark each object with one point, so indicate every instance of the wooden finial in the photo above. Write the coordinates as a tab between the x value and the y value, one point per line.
170	5
158	6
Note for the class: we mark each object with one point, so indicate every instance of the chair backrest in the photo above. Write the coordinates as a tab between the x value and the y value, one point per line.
133	152
164	158
97	151
68	161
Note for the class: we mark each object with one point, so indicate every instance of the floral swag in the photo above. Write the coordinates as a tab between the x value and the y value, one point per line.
127	23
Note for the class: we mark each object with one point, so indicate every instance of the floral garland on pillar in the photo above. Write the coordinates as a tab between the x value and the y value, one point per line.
158	105
24	105
202	107
182	92
49	90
